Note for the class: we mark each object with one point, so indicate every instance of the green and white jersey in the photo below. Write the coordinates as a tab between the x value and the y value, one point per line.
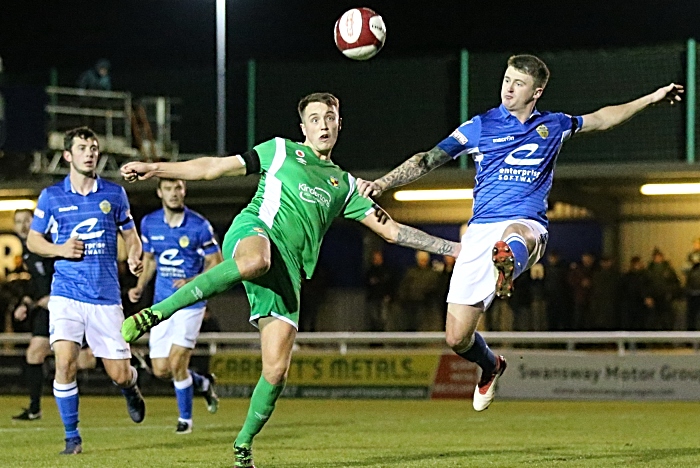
298	197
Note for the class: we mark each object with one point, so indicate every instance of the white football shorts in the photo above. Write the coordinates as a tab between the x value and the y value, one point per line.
474	276
181	329
100	325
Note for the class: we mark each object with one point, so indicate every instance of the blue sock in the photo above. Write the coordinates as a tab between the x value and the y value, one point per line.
198	380
184	392
67	402
481	354
517	245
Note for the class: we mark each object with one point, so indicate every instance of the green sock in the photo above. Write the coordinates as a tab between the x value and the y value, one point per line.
215	281
262	404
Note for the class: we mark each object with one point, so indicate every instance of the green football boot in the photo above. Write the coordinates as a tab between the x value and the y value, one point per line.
243	456
137	325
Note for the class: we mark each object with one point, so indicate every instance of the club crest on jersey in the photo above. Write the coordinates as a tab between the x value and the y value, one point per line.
184	241
333	182
105	206
543	131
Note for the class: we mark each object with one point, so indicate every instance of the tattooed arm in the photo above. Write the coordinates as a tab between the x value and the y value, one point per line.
400	234
413	168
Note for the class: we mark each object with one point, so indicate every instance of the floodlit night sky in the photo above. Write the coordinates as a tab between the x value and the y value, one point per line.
37	34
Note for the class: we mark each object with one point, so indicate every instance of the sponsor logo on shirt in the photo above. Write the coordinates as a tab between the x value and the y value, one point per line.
523	160
67	208
300	157
459	136
39	213
314	195
168	258
518	175
80	231
503	139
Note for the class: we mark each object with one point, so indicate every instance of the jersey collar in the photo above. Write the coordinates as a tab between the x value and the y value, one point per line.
506	115
68	187
165	221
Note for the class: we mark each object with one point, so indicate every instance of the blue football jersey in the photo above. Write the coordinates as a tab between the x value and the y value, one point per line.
178	251
514	161
95	219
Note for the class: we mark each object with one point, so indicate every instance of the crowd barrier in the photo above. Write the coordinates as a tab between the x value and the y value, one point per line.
624	341
541	366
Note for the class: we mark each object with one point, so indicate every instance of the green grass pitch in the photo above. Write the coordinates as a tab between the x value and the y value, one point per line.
362	433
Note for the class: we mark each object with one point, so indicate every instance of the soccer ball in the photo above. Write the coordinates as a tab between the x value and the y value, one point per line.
360	33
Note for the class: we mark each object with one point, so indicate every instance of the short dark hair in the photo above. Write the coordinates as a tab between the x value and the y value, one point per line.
326	98
22	210
165	179
80	132
531	65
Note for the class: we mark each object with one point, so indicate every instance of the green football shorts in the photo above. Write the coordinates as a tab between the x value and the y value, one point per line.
276	293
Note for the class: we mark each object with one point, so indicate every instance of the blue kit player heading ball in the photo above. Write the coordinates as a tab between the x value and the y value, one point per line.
514	147
84	214
178	245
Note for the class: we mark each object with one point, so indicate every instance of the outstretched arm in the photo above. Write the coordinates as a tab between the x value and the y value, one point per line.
611	116
396	233
413	168
206	168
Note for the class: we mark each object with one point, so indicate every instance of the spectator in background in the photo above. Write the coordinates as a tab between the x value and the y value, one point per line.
580	277
3	125
637	301
416	292
96	78
557	293
665	286
448	265
603	314
692	290
520	303
379	289
695	251
209	323
538	306
313	295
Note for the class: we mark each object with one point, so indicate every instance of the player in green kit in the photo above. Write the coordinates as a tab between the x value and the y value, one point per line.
274	239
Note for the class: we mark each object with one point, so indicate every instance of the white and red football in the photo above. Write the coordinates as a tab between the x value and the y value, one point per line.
360	33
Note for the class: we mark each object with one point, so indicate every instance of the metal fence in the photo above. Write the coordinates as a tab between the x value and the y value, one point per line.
624	342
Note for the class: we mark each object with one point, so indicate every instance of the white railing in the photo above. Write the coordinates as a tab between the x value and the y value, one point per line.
625	342
111	115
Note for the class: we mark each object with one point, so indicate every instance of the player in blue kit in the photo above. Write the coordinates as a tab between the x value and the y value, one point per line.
178	245
84	214
514	147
